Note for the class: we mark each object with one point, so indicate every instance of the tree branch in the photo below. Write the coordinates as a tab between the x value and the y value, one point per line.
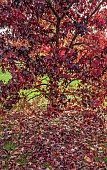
58	20
95	10
41	93
69	84
67	9
73	39
37	89
51	7
33	97
57	31
76	34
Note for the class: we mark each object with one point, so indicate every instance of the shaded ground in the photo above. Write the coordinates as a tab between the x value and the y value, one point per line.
32	140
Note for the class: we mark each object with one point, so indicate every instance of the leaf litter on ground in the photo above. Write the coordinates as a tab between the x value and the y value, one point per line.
33	140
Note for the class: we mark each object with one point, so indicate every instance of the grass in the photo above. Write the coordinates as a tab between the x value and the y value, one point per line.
5	77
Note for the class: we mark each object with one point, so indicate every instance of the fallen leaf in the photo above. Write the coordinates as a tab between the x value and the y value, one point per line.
87	159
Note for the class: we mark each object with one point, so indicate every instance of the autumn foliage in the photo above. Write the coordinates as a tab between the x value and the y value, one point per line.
64	40
48	45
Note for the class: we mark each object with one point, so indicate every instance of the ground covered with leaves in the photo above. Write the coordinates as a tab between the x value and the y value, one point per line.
74	140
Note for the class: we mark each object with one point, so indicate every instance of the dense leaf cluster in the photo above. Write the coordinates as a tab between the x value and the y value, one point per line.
64	40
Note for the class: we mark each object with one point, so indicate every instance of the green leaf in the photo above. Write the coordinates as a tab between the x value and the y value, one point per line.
105	159
0	119
9	146
96	159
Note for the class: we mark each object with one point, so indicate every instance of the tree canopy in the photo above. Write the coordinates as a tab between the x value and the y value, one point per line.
63	39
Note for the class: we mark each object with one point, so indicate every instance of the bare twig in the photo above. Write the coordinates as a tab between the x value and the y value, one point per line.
73	39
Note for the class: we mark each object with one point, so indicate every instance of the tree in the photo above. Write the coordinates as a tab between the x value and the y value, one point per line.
64	40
